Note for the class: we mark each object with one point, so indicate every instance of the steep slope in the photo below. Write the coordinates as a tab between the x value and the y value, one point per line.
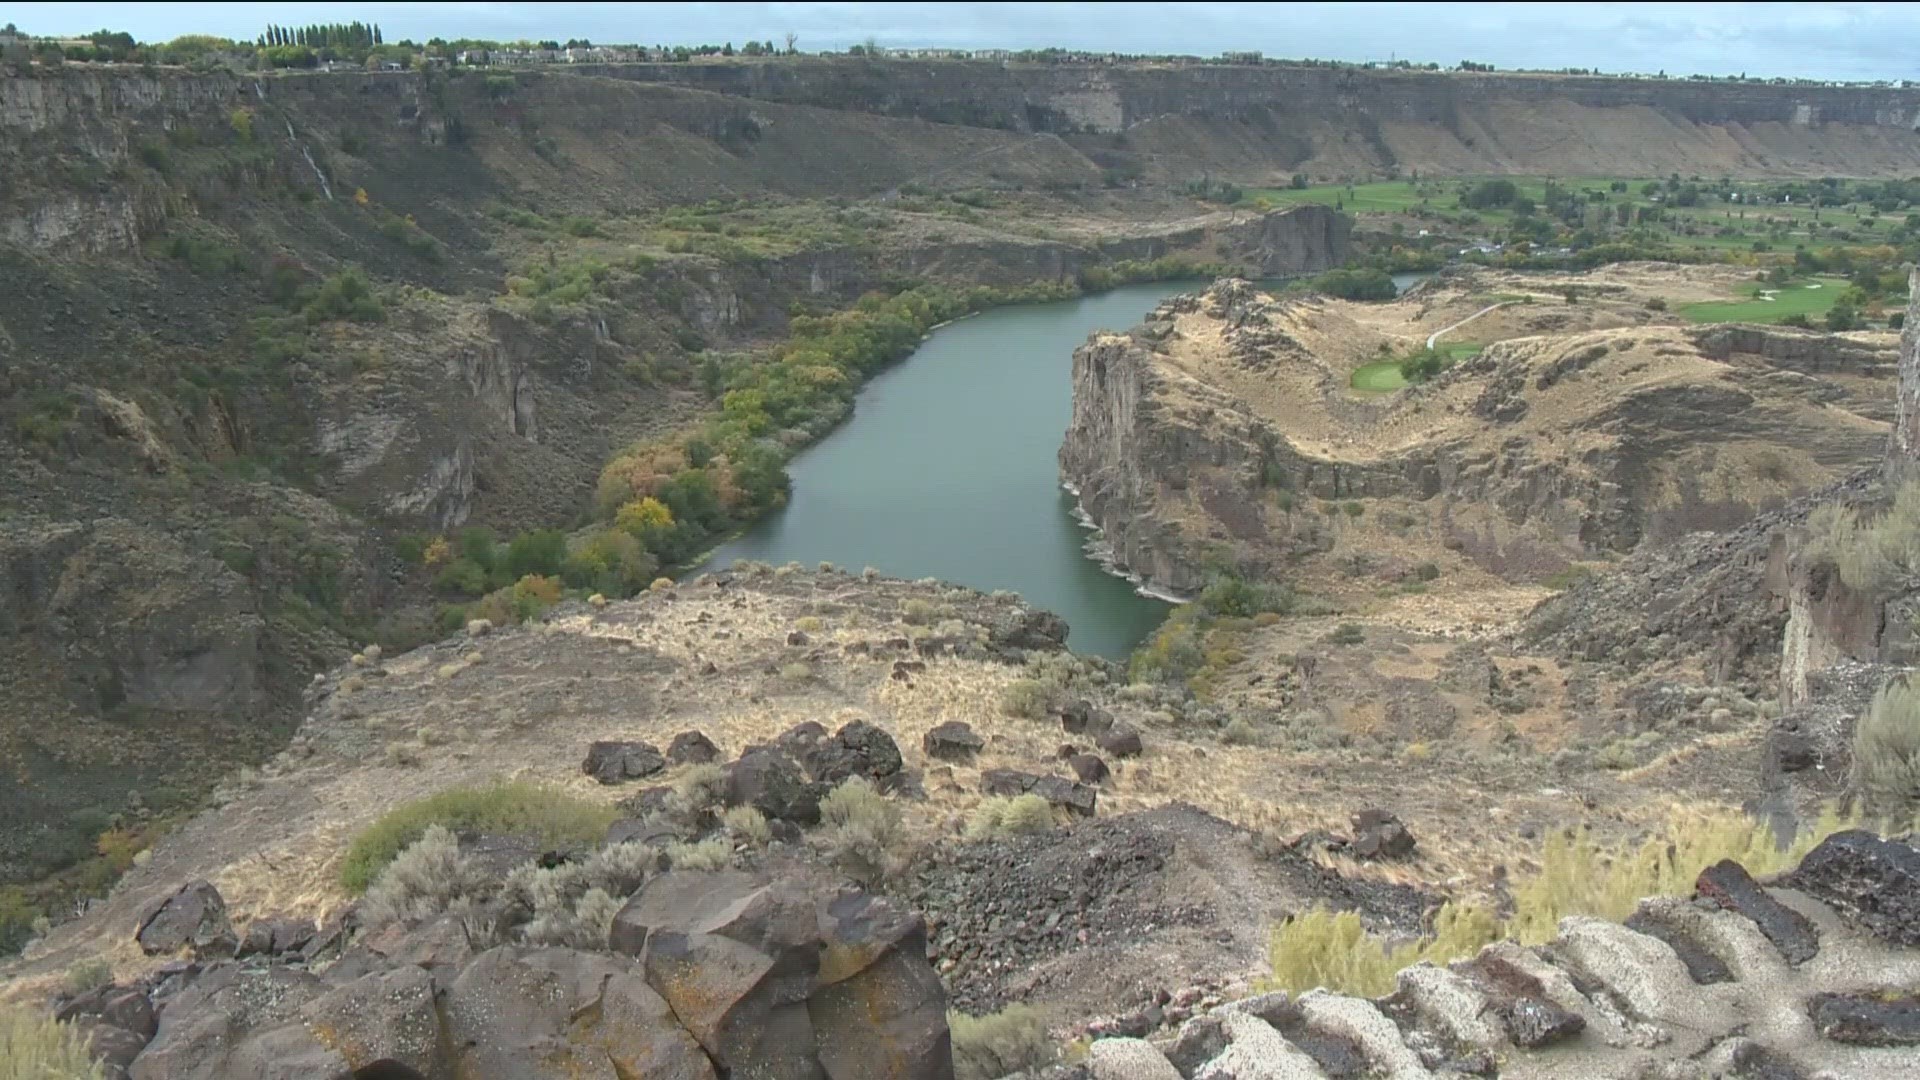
1224	431
1257	123
260	335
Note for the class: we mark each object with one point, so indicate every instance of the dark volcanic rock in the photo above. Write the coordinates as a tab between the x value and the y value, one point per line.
613	762
1004	906
1866	1019
1120	740
1536	1022
772	784
1007	783
692	748
952	741
276	935
858	749
195	916
1377	834
1728	884
1088	767
1702	966
1873	881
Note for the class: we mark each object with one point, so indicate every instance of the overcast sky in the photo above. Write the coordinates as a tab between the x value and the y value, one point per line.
1818	40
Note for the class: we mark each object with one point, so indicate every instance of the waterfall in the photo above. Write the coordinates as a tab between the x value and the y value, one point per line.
325	188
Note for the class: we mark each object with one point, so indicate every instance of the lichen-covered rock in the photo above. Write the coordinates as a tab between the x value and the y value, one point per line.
195	916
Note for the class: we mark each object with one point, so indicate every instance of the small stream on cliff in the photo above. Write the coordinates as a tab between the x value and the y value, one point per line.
948	469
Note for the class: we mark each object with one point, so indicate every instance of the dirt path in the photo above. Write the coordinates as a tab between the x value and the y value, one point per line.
1435	336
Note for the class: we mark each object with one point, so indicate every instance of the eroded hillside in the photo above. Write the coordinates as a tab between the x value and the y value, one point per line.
264	337
1226	430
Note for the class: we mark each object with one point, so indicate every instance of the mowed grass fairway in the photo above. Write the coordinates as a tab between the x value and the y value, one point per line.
1382	376
1812	298
1378	377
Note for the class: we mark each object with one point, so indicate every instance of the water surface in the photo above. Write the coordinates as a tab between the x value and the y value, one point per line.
949	469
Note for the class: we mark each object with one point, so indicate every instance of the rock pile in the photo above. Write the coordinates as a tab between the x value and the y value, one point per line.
709	975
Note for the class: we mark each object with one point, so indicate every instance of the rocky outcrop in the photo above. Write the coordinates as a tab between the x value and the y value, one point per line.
1903	449
1279	117
1208	433
1606	1001
709	975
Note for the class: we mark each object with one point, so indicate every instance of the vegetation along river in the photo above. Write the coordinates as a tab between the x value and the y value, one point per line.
948	469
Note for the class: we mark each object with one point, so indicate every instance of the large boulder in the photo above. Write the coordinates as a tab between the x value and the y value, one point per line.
858	749
615	761
1378	834
195	916
952	741
771	783
784	978
1875	882
880	1010
277	935
233	1022
692	748
386	1016
1120	740
518	1012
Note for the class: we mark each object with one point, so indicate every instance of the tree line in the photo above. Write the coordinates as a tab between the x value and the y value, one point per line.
354	35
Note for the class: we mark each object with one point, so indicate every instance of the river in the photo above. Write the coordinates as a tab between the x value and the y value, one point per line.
949	469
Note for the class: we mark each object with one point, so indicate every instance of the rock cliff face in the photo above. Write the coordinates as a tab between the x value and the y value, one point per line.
1279	118
1214	435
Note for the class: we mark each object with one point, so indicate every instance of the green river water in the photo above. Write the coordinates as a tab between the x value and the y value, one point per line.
949	469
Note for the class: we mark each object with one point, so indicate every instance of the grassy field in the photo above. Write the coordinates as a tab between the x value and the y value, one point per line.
1769	304
1378	377
1382	376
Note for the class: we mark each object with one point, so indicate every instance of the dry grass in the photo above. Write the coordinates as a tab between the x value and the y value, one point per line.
36	1048
1578	876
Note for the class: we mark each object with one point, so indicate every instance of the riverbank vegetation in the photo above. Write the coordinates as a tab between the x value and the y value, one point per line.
662	502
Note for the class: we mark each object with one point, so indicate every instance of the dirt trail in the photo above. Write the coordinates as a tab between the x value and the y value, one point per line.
1435	336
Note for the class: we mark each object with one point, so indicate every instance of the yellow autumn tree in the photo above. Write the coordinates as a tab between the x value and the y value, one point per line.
646	519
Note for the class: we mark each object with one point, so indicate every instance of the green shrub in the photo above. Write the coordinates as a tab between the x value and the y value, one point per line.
1886	751
1870	554
346	295
1010	1041
1360	284
1027	698
863	830
17	915
424	880
513	809
712	854
1021	815
91	974
1347	634
749	824
39	1048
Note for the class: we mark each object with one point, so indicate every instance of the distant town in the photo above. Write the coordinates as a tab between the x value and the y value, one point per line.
362	47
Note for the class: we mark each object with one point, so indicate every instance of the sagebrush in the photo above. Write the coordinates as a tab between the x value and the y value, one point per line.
1010	1041
1886	751
863	830
512	809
